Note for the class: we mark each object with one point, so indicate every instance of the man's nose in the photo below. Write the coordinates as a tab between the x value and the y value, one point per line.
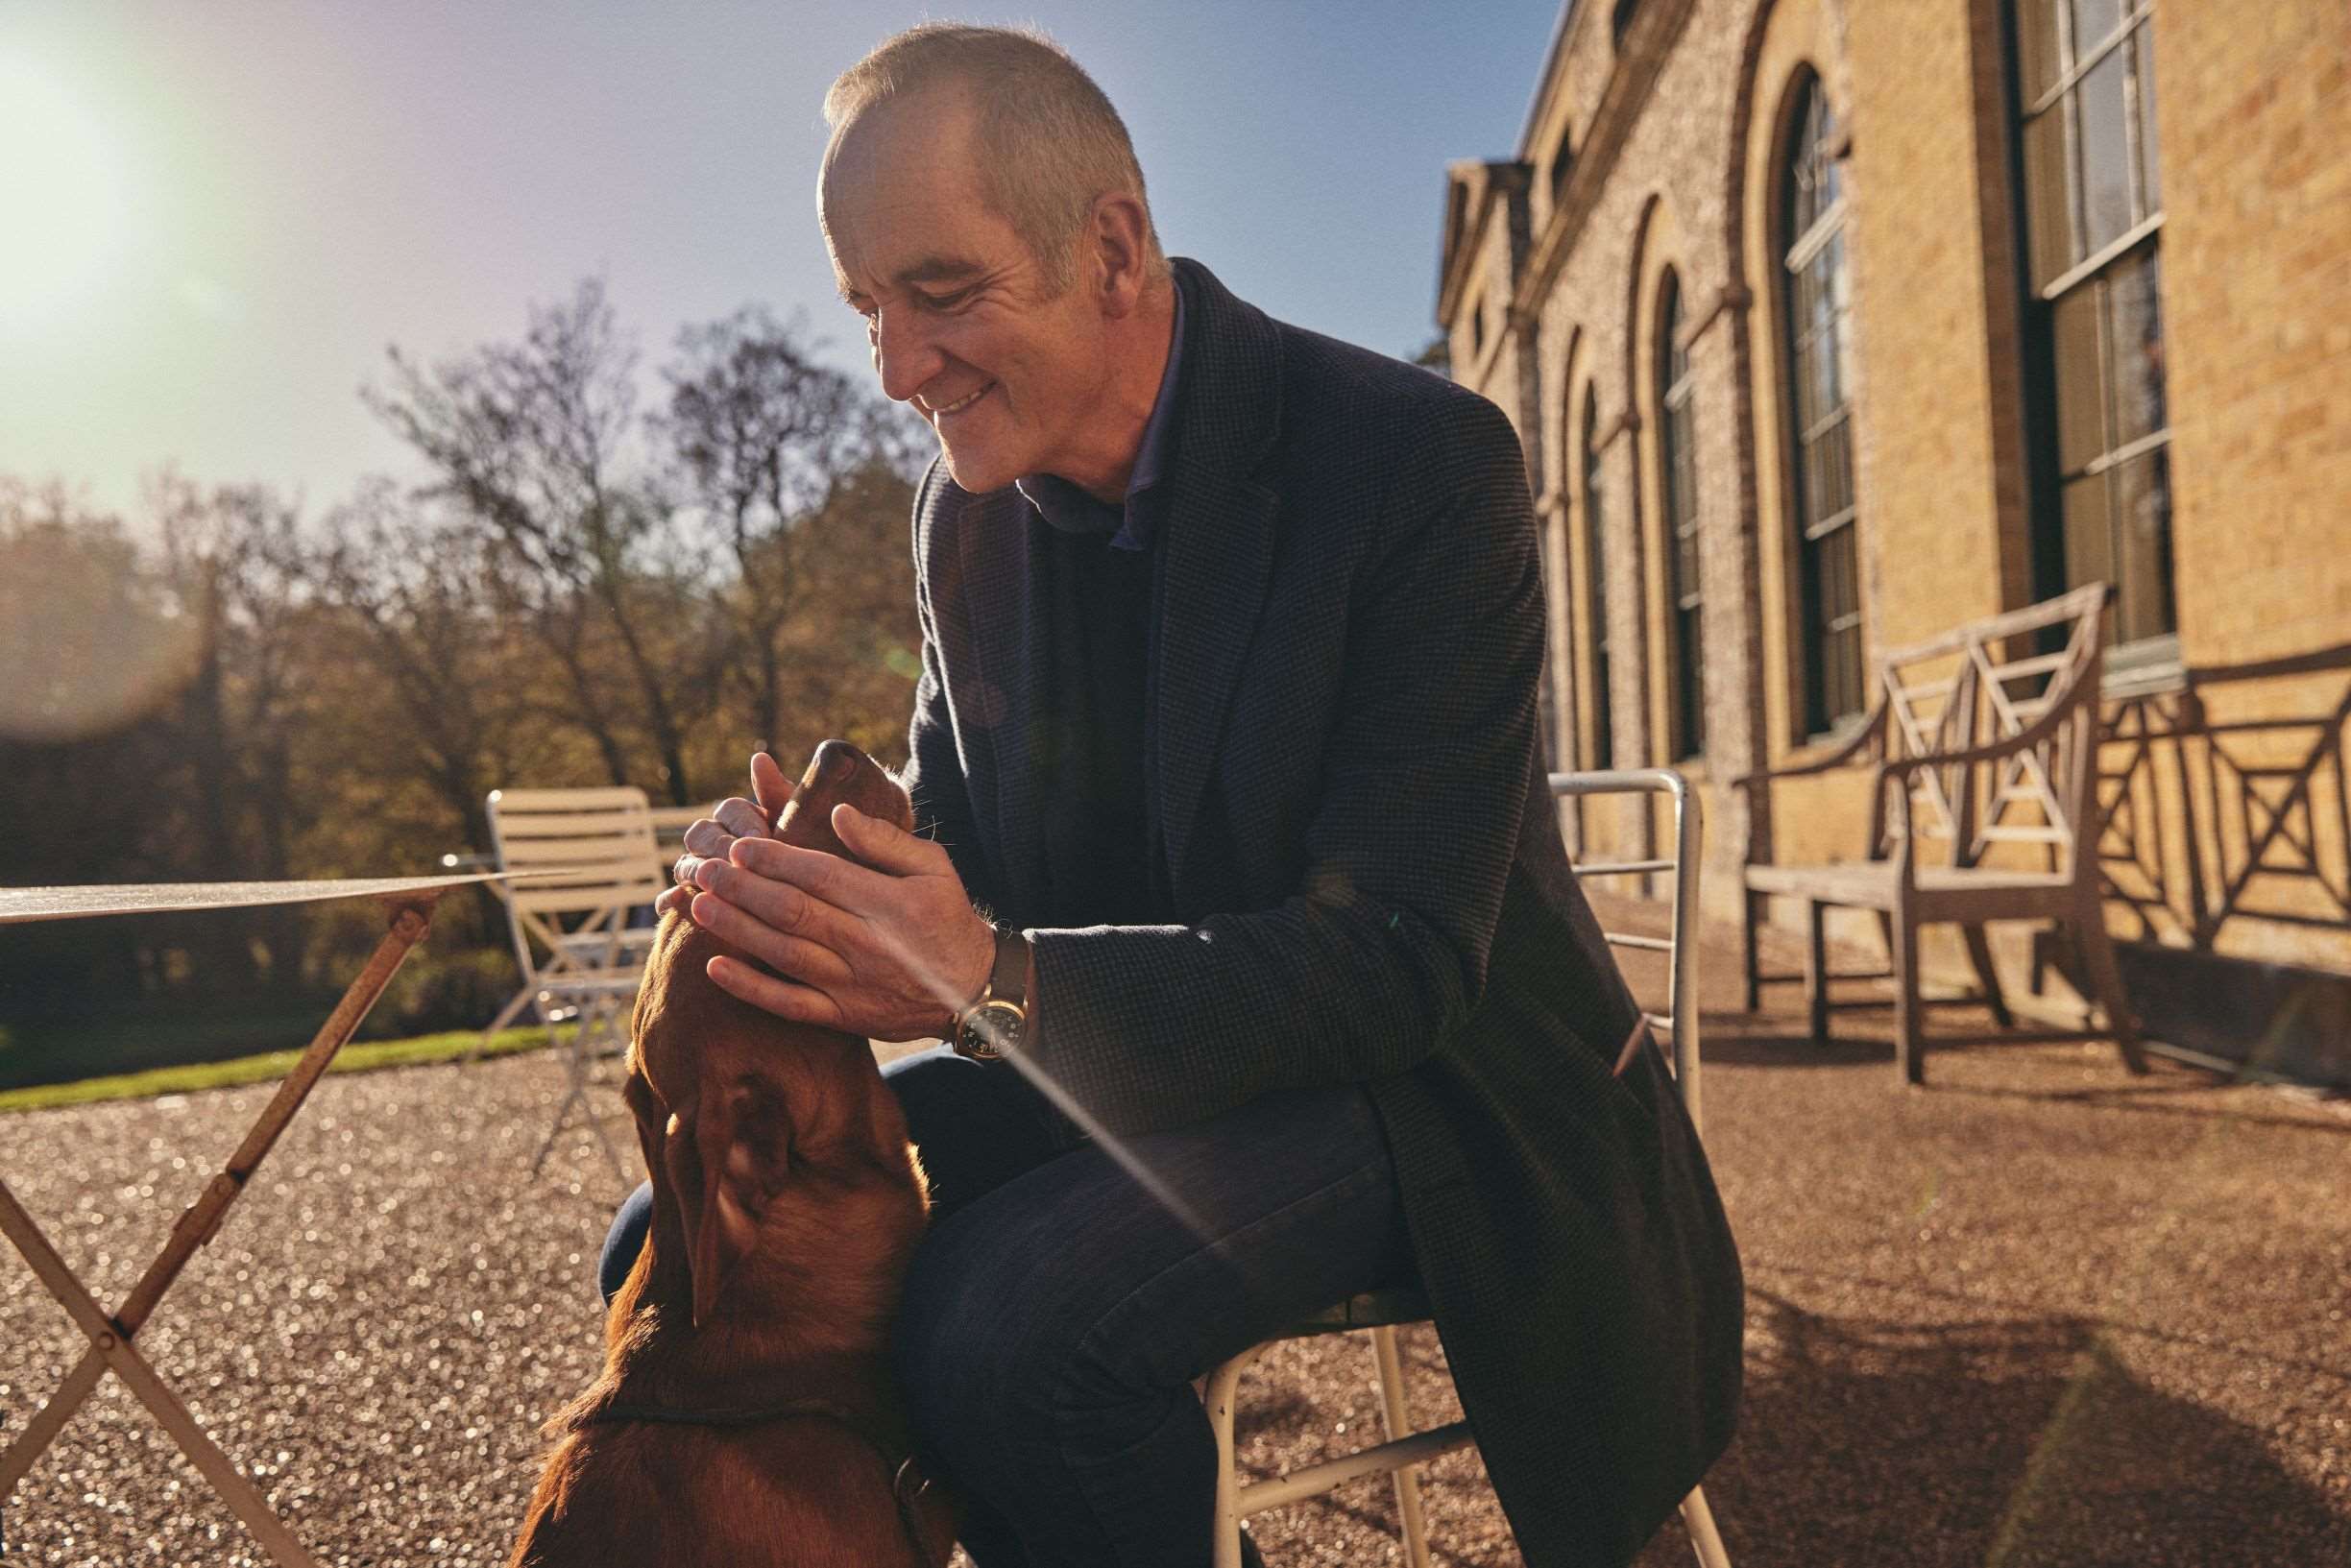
904	354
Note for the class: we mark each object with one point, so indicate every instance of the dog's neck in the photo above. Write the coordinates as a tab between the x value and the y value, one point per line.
738	1361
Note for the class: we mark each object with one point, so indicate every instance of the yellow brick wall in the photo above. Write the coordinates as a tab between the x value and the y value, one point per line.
2226	784
2255	106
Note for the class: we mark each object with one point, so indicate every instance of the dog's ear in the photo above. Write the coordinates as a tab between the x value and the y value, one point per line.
726	1163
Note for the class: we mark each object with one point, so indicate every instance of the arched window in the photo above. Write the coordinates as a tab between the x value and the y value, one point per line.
1820	419
1603	754
1622	18
1678	460
1562	160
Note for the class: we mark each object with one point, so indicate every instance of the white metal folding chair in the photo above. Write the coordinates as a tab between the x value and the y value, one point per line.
577	935
1381	1313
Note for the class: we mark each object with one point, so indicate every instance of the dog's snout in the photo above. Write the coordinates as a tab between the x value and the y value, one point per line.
835	763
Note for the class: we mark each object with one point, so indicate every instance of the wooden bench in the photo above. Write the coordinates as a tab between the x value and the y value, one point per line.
1977	756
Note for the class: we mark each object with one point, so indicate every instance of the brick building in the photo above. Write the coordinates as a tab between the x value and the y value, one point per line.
1829	325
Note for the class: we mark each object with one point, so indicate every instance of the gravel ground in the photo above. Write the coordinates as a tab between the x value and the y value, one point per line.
2039	1314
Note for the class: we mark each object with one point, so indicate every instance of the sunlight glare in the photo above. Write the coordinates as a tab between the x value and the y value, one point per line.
62	207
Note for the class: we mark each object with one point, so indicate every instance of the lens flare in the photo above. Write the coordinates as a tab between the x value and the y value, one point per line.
62	199
88	644
948	996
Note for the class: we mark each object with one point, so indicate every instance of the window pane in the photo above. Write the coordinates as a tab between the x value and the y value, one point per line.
1840	650
1834	447
2081	396
2089	547
2105	152
1831	175
1692	697
2143	544
1837	577
2150	174
1825	324
2048	211
2037	44
2134	334
2093	23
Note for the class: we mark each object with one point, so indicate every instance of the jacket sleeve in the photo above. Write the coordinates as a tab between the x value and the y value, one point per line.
1379	953
935	768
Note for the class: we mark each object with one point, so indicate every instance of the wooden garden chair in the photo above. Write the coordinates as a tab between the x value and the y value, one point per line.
1381	1313
1983	807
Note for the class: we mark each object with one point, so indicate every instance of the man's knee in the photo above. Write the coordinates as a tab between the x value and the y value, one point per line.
625	1241
986	1350
993	1350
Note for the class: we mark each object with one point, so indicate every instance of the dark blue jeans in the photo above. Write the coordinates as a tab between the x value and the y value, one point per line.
1057	1310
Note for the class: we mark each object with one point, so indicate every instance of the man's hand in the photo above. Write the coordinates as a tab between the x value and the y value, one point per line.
891	949
734	818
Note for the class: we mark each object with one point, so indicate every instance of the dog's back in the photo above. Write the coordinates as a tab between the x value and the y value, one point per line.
745	1416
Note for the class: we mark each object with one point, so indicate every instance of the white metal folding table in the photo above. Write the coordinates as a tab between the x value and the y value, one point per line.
408	903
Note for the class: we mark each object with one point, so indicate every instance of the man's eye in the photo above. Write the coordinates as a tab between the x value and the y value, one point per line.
944	301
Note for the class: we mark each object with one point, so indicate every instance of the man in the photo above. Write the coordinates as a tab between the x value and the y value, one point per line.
1227	723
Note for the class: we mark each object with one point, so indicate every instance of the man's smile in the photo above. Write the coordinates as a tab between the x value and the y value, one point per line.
940	411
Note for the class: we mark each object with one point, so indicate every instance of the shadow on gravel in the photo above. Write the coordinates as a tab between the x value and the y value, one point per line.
1997	1443
2148	1099
1726	1046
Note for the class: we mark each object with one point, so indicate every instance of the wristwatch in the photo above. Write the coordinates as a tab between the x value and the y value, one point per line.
997	1020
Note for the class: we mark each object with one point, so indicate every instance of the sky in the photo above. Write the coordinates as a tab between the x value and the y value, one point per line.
216	216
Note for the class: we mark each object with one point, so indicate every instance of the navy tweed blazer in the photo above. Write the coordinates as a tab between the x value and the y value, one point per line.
1373	887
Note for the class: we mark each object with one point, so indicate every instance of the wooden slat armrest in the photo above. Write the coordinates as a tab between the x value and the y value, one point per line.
2033	735
2067	607
1844	756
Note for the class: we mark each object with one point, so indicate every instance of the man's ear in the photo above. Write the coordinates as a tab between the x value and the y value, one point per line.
1118	237
725	1164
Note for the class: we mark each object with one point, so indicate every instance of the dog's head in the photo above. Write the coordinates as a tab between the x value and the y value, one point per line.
733	1103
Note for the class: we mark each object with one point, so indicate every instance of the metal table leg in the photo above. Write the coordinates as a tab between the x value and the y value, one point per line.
110	1338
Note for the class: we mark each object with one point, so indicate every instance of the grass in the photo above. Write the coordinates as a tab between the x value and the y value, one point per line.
268	1068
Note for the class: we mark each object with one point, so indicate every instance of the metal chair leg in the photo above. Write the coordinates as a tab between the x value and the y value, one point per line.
1222	1383
1396	1421
578	1075
1704	1539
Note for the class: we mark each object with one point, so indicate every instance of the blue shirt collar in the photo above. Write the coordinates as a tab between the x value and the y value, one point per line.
1131	527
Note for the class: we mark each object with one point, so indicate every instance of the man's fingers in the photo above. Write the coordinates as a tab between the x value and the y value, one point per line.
676	898
707	838
777	904
799	1004
743	818
827	877
885	846
803	960
770	785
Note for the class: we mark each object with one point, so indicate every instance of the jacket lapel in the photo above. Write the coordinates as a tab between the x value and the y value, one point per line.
1000	589
1220	552
1219	540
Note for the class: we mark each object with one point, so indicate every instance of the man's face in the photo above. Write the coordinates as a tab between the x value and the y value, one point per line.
955	308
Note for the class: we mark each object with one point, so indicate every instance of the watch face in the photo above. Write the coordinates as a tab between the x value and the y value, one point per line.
1001	1024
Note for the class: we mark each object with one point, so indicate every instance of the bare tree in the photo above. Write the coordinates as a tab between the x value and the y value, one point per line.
760	435
533	440
410	585
235	556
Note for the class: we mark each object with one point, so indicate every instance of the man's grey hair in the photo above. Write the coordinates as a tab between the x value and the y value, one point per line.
1050	144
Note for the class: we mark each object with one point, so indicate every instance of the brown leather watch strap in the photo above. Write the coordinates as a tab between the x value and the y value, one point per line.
1009	981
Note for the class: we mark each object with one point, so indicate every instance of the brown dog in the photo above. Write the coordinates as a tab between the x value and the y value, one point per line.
745	1416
